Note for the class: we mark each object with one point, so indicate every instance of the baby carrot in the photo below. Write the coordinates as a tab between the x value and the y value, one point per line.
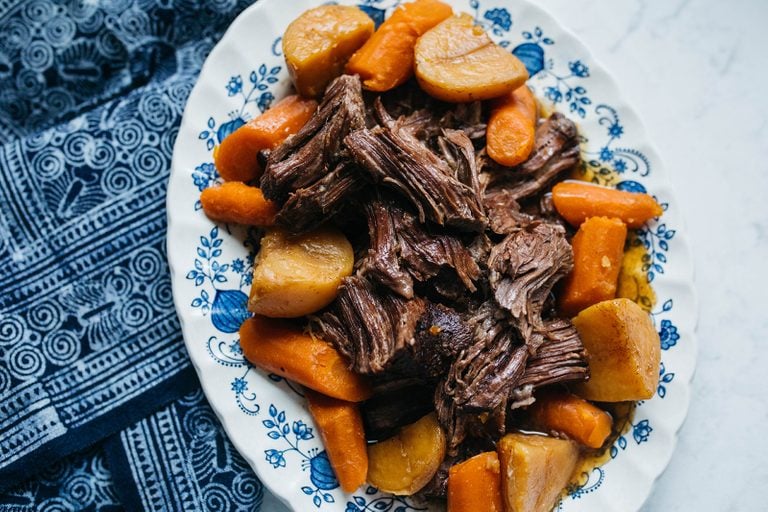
512	127
239	203
341	429
598	247
475	485
386	59
573	416
236	157
576	201
279	348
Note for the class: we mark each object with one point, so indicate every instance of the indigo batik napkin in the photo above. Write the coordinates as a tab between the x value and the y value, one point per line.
91	96
177	459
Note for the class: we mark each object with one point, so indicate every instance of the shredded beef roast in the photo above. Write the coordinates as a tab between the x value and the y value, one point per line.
561	357
315	150
402	249
450	307
397	160
504	215
309	207
367	325
523	269
481	378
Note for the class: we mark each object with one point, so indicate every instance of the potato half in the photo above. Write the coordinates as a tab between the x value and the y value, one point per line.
457	61
298	275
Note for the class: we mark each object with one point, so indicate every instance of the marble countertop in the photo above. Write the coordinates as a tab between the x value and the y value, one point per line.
695	71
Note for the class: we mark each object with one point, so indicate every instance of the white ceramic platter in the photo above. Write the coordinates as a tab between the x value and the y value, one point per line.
265	417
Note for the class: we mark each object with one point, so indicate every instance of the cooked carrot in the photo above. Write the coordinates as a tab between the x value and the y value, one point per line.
475	485
236	157
386	59
341	429
279	348
572	416
598	247
512	127
576	201
237	202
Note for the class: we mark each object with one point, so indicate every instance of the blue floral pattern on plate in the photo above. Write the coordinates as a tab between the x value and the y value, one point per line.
562	82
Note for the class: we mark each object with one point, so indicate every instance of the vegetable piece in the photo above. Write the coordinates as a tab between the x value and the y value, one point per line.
237	157
534	470
298	275
386	59
577	200
318	44
572	416
341	429
237	202
405	463
457	61
475	485
598	247
633	277
276	347
512	127
624	352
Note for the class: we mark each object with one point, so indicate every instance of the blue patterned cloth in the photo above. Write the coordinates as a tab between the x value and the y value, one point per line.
91	97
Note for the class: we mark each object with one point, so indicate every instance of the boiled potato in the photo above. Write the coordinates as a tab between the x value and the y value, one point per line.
318	44
298	275
457	61
534	470
624	352
407	462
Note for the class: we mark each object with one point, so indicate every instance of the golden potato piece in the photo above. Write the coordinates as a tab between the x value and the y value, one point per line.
457	61
318	44
624	352
407	462
298	275
534	470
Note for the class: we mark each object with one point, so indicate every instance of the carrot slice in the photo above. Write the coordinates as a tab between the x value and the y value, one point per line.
236	157
386	59
341	429
576	201
598	248
512	127
276	347
475	485
573	416
237	202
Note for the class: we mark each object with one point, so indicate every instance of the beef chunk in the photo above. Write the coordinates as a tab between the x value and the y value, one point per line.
504	215
310	206
482	377
523	269
402	250
382	261
458	151
316	149
397	160
440	335
561	357
368	326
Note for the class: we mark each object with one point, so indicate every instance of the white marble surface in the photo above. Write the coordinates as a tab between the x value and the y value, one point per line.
697	73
